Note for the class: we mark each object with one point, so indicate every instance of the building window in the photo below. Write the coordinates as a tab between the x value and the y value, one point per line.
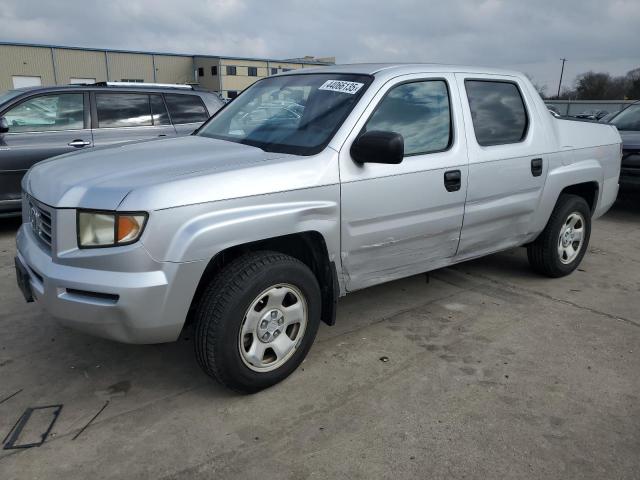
214	70
274	71
232	94
252	71
287	69
201	71
132	80
231	70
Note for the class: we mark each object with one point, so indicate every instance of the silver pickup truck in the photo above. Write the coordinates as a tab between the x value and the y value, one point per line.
308	186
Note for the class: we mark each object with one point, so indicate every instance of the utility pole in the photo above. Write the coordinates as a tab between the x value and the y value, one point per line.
561	72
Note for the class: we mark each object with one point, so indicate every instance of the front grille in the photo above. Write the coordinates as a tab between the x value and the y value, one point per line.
40	217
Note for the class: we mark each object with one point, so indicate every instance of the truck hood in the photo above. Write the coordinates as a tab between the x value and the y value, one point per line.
630	139
101	178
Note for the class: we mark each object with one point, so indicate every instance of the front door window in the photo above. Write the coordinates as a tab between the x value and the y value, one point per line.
47	113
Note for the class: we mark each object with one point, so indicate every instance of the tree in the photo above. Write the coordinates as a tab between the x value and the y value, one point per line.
567	94
601	86
632	88
593	86
542	89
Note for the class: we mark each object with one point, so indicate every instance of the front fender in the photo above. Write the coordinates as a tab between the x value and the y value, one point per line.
199	232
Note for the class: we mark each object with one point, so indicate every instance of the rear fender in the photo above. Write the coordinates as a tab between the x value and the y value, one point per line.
564	176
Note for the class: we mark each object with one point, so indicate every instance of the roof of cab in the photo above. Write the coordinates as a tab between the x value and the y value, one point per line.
401	68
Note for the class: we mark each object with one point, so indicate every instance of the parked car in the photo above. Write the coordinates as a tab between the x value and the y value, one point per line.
608	117
627	122
554	113
38	123
592	115
253	234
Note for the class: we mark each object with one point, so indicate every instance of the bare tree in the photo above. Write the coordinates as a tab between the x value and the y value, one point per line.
542	89
593	86
632	87
599	86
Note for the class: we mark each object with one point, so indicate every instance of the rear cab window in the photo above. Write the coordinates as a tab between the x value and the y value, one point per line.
498	112
186	108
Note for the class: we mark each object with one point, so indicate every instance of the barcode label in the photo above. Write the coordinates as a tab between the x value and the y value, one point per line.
341	86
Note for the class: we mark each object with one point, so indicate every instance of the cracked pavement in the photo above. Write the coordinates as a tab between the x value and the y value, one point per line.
492	372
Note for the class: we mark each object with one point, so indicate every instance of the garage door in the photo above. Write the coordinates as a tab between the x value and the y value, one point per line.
20	81
82	81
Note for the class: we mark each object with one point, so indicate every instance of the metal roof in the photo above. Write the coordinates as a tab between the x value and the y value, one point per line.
402	68
115	50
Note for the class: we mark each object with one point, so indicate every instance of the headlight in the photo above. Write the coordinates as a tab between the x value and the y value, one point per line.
109	229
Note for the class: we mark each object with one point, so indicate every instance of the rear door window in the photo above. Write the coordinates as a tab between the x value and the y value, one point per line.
498	112
123	110
159	111
186	108
47	113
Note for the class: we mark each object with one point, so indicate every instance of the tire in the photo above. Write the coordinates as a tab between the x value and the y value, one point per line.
556	256
254	290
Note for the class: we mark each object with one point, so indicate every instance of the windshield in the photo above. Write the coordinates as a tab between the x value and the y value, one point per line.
628	119
296	114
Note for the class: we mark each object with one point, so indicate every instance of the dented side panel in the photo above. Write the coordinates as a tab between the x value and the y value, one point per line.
399	220
199	232
398	226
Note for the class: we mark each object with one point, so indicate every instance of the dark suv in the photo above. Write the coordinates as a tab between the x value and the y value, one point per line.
41	122
628	123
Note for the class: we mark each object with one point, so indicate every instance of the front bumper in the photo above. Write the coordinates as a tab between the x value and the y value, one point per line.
127	306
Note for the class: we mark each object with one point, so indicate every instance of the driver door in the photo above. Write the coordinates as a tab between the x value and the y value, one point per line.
41	127
400	220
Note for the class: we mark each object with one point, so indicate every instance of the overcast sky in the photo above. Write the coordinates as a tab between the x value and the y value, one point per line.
531	36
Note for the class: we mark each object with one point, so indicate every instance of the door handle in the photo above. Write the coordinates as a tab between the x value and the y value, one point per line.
162	135
78	143
536	167
452	180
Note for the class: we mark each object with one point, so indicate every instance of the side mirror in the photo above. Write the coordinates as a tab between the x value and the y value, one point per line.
378	147
4	125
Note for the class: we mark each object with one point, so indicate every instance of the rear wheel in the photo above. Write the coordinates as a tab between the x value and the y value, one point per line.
562	244
257	320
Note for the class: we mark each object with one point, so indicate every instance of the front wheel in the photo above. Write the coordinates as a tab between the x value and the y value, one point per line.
257	320
560	247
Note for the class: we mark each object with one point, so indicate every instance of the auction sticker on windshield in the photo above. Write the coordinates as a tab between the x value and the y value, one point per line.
341	86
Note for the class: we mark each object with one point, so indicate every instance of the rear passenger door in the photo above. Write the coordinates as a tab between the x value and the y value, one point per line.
126	117
507	163
187	112
399	220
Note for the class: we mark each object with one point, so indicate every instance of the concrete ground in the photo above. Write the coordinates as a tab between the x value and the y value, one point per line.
492	372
